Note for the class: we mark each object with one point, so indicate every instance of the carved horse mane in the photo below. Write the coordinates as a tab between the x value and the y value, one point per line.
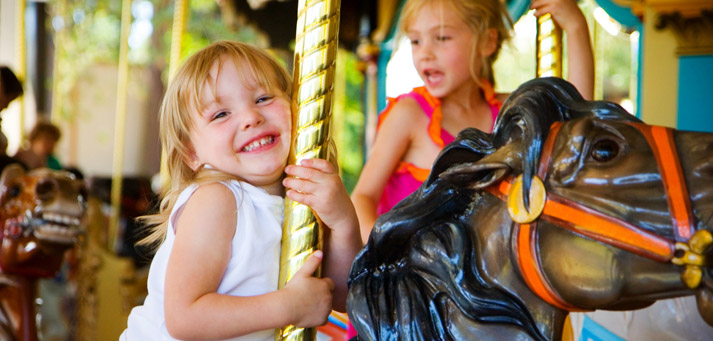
425	274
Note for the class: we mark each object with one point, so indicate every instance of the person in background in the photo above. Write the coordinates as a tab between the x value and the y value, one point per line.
39	149
10	89
454	45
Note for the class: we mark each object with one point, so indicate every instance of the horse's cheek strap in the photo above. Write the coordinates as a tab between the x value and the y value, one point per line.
662	143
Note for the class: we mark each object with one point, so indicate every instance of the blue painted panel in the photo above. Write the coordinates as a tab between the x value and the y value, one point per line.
695	93
621	14
592	331
517	8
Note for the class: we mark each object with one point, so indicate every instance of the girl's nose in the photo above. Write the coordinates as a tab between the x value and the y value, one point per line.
424	51
251	119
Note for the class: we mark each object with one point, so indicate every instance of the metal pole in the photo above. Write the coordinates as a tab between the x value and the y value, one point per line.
180	14
21	50
122	88
313	77
548	49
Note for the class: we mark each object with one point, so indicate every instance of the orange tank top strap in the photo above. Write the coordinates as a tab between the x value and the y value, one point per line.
489	93
419	174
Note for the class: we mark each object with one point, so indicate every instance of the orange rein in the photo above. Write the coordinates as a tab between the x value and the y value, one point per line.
606	229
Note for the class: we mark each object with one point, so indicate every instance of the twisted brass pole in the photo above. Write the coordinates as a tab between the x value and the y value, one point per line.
548	49
313	77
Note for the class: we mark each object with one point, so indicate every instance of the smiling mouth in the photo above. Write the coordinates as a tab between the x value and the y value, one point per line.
267	140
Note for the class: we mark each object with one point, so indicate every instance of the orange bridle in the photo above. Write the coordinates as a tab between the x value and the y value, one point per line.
607	229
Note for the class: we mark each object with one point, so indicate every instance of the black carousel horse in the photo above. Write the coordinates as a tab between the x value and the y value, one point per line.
569	205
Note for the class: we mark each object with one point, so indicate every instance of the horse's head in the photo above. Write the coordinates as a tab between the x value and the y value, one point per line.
40	213
606	212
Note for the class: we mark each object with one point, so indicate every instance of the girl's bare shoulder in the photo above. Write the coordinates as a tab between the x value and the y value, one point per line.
405	113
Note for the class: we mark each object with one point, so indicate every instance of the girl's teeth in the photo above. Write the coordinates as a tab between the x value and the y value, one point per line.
258	143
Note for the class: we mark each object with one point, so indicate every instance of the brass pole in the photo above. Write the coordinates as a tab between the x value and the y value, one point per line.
59	34
180	13
313	79
21	69
548	49
122	88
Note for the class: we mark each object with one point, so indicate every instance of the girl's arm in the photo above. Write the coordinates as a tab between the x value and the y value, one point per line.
200	255
567	15
391	143
316	183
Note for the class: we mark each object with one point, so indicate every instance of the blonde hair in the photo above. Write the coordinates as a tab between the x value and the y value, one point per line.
479	16
182	101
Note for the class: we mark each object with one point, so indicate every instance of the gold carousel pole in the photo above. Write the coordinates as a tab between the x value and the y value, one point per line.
548	63
179	22
21	68
180	13
120	119
548	49
313	77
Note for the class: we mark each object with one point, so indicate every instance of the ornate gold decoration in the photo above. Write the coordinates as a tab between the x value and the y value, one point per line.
691	255
687	8
314	63
693	34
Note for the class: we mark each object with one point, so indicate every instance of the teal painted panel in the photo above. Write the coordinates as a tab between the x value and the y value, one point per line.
517	8
621	14
593	331
695	93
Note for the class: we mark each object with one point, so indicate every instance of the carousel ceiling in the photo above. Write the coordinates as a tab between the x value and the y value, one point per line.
278	19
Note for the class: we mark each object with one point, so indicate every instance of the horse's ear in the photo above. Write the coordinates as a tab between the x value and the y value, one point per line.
486	171
475	175
11	172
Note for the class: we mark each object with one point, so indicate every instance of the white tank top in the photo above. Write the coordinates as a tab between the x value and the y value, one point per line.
253	268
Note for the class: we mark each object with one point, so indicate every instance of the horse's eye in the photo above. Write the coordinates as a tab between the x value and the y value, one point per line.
605	150
13	191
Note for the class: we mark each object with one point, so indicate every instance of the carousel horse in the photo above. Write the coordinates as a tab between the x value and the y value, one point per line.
568	206
40	213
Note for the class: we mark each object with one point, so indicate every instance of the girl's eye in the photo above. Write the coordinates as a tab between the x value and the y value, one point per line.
414	41
220	114
263	99
443	38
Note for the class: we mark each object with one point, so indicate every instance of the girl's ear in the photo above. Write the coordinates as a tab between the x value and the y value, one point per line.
191	160
489	42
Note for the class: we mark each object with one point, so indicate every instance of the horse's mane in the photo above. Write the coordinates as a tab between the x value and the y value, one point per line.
421	256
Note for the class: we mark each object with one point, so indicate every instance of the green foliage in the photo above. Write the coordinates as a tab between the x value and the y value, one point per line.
88	32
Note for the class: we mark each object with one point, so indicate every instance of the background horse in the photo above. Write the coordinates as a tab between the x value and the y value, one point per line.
568	206
40	213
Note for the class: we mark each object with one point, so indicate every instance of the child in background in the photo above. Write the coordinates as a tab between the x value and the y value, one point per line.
225	126
454	45
39	151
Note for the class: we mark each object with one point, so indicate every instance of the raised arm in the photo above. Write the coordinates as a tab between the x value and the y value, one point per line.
568	16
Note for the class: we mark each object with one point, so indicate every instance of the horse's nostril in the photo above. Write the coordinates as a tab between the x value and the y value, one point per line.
46	189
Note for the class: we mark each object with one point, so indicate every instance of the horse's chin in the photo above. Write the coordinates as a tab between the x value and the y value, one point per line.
704	297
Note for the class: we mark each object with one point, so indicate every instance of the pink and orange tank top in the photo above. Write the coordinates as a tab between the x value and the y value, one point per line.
407	177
